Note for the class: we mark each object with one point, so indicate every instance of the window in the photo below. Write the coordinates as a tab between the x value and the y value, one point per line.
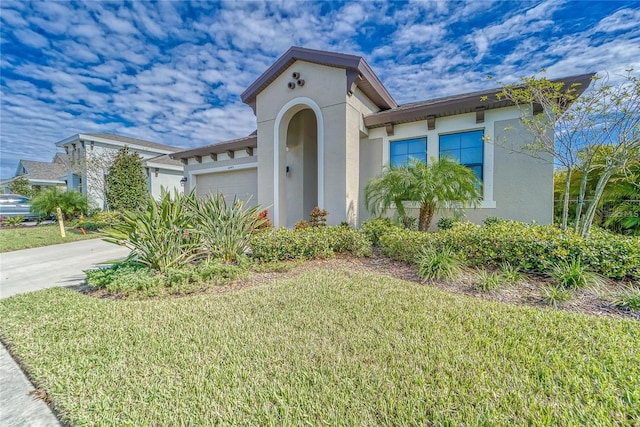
402	151
465	147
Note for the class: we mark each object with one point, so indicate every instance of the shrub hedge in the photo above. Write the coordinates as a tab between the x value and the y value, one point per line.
308	243
136	279
530	247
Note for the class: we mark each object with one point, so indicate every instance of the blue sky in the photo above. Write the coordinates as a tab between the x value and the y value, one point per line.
172	71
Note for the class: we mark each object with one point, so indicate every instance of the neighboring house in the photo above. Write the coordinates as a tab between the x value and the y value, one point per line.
41	174
91	154
326	125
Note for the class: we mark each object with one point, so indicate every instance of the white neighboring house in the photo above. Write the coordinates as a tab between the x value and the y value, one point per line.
41	175
90	155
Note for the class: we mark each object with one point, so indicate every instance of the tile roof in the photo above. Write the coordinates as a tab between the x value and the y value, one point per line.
164	160
128	140
44	170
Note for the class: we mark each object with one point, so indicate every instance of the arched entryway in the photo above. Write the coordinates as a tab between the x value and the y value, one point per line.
301	171
298	161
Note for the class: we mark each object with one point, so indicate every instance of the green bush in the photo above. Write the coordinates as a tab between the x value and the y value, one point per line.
308	243
446	223
224	229
71	203
528	247
136	279
162	236
628	299
12	221
376	227
441	264
404	244
554	295
487	281
573	274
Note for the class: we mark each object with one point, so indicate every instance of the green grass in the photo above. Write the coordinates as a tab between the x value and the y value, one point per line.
326	348
13	239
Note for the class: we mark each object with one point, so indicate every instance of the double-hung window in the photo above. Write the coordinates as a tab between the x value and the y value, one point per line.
403	150
465	147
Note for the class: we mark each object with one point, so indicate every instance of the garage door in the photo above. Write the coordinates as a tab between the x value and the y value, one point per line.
240	183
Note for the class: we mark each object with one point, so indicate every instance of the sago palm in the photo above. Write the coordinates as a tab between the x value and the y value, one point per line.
435	186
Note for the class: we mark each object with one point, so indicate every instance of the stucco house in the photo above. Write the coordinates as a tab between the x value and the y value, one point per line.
90	154
41	175
326	125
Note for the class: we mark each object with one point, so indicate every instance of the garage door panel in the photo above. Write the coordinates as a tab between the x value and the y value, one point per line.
242	184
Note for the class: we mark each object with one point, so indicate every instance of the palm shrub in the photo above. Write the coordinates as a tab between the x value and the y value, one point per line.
572	274
162	236
224	230
438	264
438	185
71	203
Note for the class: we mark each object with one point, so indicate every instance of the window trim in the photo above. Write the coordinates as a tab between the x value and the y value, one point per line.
482	145
426	145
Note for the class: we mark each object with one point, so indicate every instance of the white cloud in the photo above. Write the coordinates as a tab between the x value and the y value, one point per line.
173	72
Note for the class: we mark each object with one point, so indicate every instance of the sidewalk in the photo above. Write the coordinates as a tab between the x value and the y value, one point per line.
17	407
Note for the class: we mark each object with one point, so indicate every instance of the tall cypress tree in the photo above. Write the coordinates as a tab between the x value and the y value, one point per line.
127	182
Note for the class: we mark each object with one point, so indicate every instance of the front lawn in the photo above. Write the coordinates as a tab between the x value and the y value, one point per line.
13	239
324	348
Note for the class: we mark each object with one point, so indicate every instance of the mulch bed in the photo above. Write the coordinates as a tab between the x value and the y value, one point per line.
527	292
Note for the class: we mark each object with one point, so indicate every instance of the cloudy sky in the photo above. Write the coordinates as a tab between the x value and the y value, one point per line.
172	71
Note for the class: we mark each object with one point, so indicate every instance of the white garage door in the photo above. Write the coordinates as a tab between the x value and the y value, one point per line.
241	183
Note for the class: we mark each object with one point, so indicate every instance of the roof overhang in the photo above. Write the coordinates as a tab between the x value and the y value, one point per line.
248	142
359	74
459	104
81	137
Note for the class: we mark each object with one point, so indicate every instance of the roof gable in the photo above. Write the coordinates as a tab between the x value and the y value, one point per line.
359	74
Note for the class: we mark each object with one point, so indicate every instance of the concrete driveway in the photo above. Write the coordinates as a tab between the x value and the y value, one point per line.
30	270
58	265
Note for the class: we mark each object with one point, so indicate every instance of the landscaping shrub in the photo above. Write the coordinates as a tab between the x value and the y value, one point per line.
136	279
446	223
224	230
318	217
554	295
376	227
71	203
573	274
487	281
628	299
160	237
493	220
12	221
308	243
529	247
403	244
438	264
509	273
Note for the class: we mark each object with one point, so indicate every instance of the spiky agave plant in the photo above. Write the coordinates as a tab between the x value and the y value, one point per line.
162	235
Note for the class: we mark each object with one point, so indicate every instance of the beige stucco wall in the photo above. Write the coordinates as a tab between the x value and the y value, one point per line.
167	179
338	141
515	185
370	167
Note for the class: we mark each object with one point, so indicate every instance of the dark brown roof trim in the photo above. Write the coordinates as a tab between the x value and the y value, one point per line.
250	141
361	75
458	104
